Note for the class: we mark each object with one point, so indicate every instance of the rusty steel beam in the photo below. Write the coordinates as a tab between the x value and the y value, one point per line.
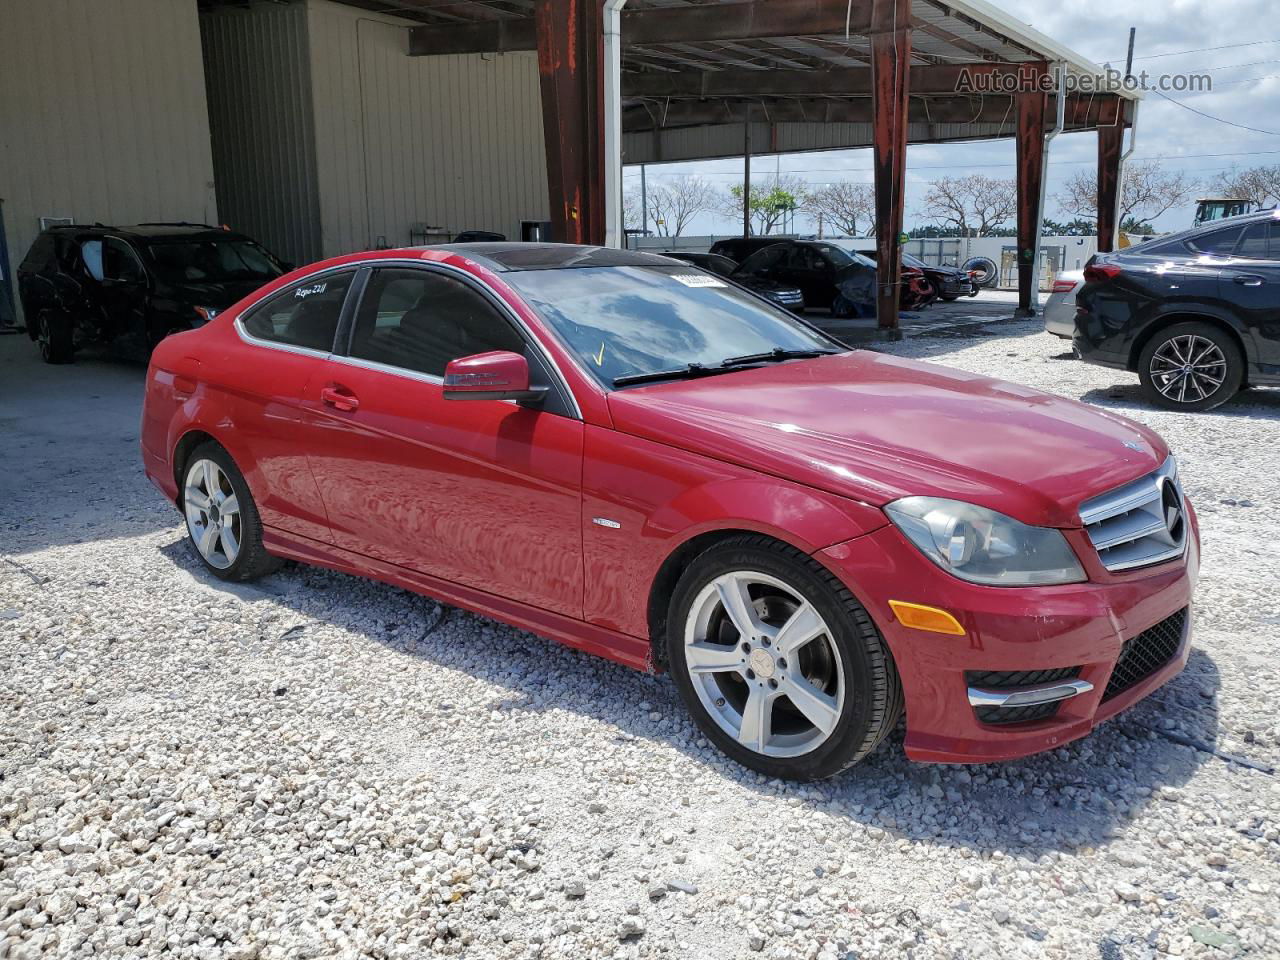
890	83
570	56
750	20
1110	147
1032	109
840	81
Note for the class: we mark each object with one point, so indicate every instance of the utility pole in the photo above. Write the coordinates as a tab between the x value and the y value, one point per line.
819	224
746	171
644	205
1128	60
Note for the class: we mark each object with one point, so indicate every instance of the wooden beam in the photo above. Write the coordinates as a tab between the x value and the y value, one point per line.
750	20
1110	149
1032	111
890	82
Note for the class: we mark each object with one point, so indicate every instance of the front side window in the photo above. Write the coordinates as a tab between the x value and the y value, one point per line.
120	263
636	320
91	252
304	315
420	320
762	261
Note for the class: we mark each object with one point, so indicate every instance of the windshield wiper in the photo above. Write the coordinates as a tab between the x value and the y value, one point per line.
689	370
776	355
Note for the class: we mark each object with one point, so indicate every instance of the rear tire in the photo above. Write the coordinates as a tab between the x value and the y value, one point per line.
54	337
806	687
1191	366
222	518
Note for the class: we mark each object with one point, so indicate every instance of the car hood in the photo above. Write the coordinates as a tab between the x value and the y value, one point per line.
219	295
877	428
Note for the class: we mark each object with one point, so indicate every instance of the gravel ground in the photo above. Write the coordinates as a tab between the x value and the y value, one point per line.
318	766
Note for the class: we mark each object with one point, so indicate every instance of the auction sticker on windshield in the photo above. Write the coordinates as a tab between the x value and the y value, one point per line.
698	280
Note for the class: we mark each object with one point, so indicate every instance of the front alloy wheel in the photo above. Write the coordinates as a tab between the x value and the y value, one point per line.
777	662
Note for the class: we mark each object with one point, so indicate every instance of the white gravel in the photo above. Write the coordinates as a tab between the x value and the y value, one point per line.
304	768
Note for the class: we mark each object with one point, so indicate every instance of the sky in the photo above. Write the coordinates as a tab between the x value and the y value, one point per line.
1237	42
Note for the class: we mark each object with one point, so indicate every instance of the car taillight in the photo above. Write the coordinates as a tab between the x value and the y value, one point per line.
1101	272
1063	286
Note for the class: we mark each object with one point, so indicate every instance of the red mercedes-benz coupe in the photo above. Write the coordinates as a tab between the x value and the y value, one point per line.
640	459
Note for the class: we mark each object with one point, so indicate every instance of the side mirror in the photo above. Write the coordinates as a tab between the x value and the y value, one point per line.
497	375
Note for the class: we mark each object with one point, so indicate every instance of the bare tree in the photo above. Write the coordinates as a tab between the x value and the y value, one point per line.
672	206
632	214
849	207
1148	192
1259	185
972	203
772	198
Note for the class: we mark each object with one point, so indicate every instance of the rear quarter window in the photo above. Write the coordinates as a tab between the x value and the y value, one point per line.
40	257
303	315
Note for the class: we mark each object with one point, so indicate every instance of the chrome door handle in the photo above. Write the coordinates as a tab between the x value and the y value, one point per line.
1248	280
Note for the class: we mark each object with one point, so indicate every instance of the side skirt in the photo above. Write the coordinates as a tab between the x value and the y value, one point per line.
619	647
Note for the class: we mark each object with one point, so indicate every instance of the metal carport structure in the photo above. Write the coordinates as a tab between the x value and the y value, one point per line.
656	80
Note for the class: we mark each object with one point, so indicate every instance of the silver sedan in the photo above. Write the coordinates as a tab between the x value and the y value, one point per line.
1060	307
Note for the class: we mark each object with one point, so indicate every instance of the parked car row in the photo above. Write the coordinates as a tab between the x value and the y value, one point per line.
1195	315
825	276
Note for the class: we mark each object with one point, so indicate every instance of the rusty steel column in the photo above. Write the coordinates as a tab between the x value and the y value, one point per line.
570	66
1032	107
1110	145
890	82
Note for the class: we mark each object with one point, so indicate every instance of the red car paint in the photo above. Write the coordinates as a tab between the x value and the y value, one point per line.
343	463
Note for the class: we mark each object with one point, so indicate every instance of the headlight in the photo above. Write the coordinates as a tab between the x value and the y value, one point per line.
982	546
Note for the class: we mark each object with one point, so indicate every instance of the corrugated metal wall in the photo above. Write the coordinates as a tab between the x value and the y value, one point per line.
102	114
258	69
450	142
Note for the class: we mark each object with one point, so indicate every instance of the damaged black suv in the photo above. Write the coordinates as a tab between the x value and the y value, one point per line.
128	287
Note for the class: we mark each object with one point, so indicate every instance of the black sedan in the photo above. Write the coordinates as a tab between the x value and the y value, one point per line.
780	293
1195	315
950	283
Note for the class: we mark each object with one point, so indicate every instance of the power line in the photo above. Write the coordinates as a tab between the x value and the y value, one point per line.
1183	53
1209	116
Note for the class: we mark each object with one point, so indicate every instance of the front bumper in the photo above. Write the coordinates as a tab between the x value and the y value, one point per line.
1080	628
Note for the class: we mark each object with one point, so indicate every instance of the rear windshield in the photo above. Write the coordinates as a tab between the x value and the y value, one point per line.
211	261
623	321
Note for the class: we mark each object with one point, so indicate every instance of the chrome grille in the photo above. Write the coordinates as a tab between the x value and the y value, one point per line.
1139	524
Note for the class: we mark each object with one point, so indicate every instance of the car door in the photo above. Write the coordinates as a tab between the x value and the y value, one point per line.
1251	281
123	296
280	346
481	493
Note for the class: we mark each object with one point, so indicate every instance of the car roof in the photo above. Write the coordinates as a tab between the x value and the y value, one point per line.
152	231
513	256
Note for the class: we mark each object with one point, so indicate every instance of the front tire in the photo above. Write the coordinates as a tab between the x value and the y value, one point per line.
1191	366
54	337
778	663
222	518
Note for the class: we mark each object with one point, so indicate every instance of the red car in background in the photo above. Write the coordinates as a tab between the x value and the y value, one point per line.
634	457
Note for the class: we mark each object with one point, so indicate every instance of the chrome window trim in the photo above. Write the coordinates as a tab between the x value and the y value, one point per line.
490	294
249	338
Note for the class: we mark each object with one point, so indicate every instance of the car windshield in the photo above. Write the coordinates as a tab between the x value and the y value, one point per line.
910	261
837	255
631	321
212	261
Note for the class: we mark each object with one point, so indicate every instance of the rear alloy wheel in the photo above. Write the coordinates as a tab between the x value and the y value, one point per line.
222	518
53	337
777	662
1191	366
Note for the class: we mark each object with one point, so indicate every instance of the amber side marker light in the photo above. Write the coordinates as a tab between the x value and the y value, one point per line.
920	617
